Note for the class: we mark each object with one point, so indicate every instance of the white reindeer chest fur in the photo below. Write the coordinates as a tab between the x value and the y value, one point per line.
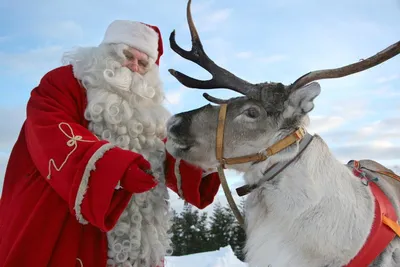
292	220
140	237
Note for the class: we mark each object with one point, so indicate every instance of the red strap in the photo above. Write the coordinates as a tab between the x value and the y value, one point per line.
381	235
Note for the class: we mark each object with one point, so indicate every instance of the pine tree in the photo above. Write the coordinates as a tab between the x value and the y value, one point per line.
221	227
177	234
190	233
238	238
193	232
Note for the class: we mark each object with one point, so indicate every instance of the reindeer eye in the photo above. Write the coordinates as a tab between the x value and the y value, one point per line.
252	113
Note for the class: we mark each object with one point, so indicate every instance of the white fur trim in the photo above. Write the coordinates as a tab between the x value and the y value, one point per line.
208	171
91	166
118	186
178	177
135	34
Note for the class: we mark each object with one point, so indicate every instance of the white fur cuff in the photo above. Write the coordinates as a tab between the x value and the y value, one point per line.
208	171
178	177
91	166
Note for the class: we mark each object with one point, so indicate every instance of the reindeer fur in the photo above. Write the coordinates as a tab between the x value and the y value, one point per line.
315	213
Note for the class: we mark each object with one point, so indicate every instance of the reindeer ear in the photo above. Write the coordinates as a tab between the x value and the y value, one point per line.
300	102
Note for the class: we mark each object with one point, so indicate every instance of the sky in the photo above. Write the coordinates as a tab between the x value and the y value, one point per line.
358	116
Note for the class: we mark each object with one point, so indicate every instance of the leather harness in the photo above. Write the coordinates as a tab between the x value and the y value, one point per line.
257	157
385	226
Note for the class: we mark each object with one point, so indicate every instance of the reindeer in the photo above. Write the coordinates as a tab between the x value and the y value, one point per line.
304	208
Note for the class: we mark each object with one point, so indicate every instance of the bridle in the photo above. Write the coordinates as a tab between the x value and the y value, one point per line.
262	155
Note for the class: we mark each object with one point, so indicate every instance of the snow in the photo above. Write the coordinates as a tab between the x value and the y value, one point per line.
223	257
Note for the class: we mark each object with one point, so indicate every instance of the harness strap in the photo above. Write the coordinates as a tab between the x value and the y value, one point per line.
263	155
391	224
220	134
386	173
260	156
275	169
272	150
381	233
385	220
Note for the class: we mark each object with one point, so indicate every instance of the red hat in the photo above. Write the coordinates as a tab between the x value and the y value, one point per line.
144	37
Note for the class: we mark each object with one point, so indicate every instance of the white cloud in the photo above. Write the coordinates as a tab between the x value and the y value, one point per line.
219	16
273	58
375	135
178	99
395	169
177	203
378	144
388	127
4	39
174	97
244	54
262	59
11	120
234	180
321	124
339	45
389	78
366	131
219	50
61	30
351	109
32	63
201	6
3	164
368	151
388	90
207	18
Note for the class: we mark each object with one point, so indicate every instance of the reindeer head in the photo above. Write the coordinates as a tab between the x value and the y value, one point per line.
266	112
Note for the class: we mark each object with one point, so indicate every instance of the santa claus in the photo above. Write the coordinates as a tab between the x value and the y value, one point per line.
86	182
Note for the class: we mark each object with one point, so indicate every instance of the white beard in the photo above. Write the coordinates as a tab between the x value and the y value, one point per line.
126	109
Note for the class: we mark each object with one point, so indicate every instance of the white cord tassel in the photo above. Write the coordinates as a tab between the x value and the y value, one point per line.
178	177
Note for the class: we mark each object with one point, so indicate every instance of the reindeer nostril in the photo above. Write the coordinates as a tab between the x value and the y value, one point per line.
173	124
174	120
174	129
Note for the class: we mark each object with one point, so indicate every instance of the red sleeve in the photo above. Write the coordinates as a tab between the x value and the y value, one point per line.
82	170
197	190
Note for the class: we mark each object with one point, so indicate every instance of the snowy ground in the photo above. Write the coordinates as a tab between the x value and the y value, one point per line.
224	257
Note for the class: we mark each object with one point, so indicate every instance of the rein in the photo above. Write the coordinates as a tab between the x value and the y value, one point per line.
299	135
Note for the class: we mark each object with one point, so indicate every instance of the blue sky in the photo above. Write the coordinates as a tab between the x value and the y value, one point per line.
358	116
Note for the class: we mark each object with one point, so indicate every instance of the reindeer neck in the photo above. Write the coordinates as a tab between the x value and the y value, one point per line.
313	176
316	199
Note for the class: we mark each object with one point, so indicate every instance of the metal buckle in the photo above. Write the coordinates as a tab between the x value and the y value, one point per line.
222	162
300	133
262	155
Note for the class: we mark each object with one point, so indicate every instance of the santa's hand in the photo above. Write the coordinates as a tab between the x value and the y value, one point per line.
138	178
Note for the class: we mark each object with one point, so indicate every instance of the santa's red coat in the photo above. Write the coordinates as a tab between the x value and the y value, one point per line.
42	196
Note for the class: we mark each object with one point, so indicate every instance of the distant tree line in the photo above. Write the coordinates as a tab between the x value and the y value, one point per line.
194	231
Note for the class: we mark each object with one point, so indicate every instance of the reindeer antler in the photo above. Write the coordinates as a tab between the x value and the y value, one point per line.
362	65
221	78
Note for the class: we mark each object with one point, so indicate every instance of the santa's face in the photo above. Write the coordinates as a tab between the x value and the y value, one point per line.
136	60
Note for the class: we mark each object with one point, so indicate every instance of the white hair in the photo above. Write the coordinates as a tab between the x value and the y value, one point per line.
126	109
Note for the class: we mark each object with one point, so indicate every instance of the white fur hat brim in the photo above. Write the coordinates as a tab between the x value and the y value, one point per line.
134	34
